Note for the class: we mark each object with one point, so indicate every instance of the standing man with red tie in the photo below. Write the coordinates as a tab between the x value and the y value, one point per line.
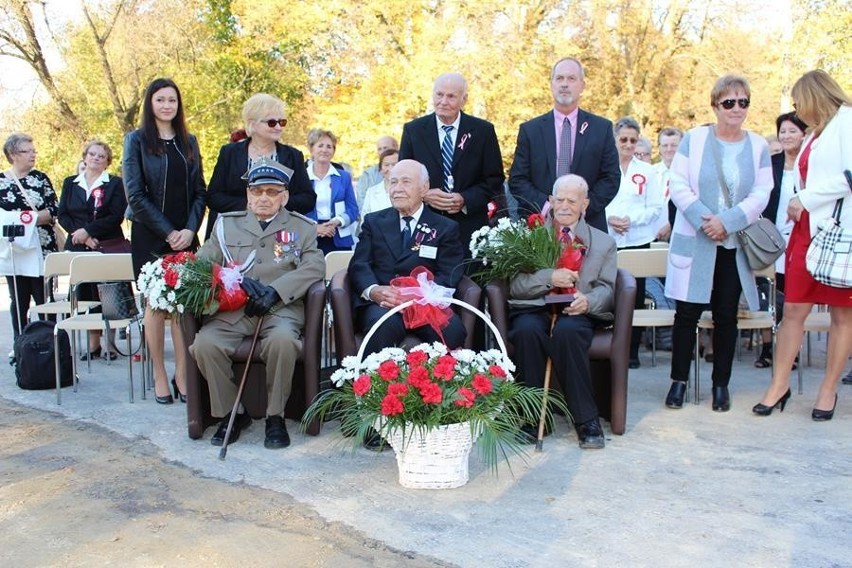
566	140
461	154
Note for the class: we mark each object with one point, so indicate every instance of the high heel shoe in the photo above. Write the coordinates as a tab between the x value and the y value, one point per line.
178	395
764	410
96	354
676	393
721	399
824	415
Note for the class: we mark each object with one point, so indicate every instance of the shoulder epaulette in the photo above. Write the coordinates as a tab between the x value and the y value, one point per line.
302	217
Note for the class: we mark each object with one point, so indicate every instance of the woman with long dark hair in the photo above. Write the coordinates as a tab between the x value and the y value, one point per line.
164	181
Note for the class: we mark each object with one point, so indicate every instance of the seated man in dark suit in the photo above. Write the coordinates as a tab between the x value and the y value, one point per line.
392	243
568	345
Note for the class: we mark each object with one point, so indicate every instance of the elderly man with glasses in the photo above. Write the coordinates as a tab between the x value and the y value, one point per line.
278	255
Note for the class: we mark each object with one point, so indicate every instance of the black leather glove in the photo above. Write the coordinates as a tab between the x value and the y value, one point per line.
260	305
252	287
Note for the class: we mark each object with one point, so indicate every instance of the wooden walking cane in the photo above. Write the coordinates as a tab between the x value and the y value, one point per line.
539	443
242	386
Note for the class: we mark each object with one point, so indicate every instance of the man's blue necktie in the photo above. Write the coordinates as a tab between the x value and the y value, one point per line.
406	232
447	155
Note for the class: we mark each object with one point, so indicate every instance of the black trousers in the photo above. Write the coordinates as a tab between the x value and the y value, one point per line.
568	347
724	302
29	288
392	332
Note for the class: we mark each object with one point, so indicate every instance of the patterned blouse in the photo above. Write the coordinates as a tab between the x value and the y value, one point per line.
40	193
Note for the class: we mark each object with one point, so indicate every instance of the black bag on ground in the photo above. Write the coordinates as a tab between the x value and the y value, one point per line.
35	368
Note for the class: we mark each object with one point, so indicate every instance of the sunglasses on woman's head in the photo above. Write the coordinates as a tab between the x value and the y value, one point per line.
728	104
282	122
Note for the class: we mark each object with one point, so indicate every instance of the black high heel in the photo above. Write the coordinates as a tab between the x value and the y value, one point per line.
764	410
96	354
178	395
824	415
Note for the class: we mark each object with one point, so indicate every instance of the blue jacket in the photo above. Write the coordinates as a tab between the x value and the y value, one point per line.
341	192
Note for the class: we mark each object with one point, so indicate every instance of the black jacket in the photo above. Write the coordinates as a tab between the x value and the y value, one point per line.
771	210
145	183
227	191
75	212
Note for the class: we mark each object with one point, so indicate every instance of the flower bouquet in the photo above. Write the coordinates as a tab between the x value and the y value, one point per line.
181	282
517	247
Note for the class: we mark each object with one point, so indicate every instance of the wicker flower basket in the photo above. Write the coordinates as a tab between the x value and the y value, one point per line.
435	458
432	459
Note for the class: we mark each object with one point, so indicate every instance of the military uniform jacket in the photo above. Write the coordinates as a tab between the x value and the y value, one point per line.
286	256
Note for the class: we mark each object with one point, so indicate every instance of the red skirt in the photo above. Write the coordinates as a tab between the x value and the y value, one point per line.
799	286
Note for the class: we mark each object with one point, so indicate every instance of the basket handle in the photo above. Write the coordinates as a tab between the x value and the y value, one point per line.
407	303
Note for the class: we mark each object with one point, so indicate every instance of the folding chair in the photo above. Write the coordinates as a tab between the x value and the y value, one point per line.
648	263
92	269
58	264
748	320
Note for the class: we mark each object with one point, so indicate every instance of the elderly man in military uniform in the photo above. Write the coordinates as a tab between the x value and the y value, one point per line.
276	250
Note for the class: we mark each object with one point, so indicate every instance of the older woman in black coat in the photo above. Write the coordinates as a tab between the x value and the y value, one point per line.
264	119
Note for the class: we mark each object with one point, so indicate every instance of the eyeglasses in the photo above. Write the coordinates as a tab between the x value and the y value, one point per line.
271	122
642	155
626	139
270	191
728	104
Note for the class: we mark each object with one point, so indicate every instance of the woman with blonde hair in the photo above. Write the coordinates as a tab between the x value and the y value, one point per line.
264	118
826	152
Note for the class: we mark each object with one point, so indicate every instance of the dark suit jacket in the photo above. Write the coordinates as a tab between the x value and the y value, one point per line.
378	258
777	174
227	189
477	168
76	212
595	158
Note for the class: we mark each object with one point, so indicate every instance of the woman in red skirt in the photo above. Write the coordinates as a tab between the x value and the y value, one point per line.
825	154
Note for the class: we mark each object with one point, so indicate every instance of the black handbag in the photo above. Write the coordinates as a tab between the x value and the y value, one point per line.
117	301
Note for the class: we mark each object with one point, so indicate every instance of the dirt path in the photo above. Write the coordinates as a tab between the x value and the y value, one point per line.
74	494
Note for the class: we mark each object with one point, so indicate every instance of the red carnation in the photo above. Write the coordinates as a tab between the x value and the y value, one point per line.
535	220
497	371
467	399
362	385
446	367
416	358
389	370
431	393
391	405
171	277
482	384
418	377
398	389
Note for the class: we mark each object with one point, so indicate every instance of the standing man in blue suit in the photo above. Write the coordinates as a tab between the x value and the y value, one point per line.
393	242
461	154
566	140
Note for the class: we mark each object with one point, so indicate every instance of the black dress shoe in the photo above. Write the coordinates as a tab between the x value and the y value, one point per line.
634	363
590	435
96	354
529	432
721	399
240	422
676	393
276	433
824	415
374	442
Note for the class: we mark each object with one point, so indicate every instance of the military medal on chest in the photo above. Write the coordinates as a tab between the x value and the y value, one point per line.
284	243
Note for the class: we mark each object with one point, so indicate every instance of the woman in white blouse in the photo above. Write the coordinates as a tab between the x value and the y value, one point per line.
633	217
376	197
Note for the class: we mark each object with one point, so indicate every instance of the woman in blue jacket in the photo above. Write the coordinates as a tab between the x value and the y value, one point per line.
336	207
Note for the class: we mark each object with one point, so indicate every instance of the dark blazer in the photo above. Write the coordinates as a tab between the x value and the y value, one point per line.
595	159
144	177
227	189
378	257
76	212
477	167
777	174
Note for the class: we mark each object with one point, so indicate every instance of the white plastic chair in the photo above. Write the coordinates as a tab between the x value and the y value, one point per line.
58	264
